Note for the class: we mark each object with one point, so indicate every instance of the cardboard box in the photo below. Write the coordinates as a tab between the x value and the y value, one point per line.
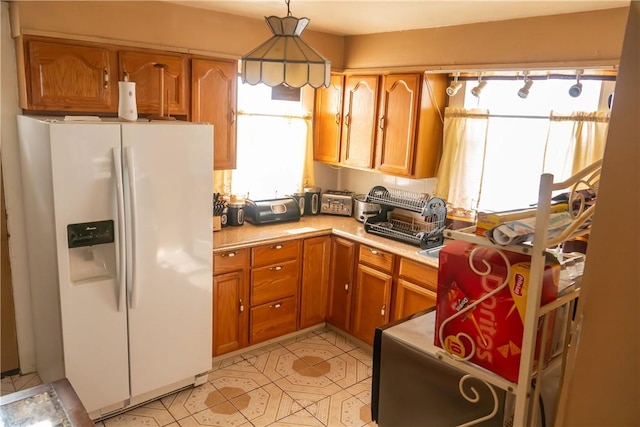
495	325
488	220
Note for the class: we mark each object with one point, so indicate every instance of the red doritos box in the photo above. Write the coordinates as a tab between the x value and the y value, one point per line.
495	326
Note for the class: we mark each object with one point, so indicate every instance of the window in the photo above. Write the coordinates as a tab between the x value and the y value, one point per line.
522	138
271	143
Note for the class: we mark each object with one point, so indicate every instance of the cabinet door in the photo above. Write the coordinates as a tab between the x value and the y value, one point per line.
371	303
315	280
399	103
139	67
214	93
359	121
341	282
230	309
327	120
67	77
411	298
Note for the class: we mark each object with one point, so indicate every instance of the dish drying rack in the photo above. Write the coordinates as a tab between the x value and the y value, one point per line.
426	235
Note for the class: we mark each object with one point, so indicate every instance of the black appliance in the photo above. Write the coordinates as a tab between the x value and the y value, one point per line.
271	211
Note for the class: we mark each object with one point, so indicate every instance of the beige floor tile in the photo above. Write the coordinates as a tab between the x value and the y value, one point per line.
261	350
192	400
265	405
345	370
308	386
223	363
237	379
310	336
23	382
7	386
340	341
299	419
275	364
365	355
223	415
151	414
362	391
320	350
341	410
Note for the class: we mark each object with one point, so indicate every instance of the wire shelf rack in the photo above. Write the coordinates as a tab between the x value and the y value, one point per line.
408	200
403	231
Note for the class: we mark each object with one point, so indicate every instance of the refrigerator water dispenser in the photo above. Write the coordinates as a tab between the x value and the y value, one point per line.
92	251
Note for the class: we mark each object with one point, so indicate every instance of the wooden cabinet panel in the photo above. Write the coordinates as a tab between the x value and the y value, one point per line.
343	255
273	319
229	312
274	281
396	137
377	258
419	273
214	87
230	260
359	120
315	280
276	252
411	298
67	77
140	67
327	121
371	305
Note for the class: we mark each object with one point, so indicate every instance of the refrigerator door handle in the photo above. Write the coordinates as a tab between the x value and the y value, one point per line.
117	166
131	175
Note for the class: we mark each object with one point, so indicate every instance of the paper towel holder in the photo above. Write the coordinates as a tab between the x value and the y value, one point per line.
127	109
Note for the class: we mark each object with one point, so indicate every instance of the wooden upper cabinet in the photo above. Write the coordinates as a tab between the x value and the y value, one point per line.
396	138
214	89
359	121
327	122
68	77
428	142
139	67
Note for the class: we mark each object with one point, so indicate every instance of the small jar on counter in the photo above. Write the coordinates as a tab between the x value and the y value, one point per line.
235	213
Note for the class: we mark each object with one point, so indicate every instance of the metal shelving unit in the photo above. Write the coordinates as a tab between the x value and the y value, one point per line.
526	392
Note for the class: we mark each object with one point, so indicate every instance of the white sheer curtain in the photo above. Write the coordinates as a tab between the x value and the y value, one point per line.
462	162
574	142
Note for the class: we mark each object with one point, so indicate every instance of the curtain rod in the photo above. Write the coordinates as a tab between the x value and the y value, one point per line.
543	77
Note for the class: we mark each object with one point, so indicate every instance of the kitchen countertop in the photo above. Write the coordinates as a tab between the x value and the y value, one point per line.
231	238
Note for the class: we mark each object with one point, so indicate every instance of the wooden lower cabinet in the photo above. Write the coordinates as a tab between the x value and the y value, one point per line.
372	302
415	289
316	257
230	301
343	256
273	319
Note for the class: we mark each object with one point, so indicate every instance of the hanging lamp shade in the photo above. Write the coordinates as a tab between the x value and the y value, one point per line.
285	58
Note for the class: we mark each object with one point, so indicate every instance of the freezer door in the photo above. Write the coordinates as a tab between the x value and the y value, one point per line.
168	181
84	160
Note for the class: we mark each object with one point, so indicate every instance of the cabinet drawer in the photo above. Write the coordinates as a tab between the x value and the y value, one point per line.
419	273
275	252
376	258
274	281
273	319
227	261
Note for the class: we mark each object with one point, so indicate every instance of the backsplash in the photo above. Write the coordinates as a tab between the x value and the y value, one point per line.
360	182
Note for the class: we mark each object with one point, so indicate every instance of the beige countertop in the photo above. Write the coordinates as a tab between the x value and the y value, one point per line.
230	238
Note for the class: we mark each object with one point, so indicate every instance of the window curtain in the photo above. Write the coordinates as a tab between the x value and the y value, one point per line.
462	162
574	142
275	157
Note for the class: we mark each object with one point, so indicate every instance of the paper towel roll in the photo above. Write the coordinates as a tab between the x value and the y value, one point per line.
127	109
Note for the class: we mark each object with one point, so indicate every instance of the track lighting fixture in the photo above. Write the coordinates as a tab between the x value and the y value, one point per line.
478	89
576	89
524	90
455	86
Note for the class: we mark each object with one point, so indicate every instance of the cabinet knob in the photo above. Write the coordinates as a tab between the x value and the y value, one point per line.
233	116
276	247
276	268
338	118
229	254
374	252
276	305
383	309
105	77
241	306
381	122
347	120
346	287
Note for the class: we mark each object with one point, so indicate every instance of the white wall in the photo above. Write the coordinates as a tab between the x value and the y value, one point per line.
13	194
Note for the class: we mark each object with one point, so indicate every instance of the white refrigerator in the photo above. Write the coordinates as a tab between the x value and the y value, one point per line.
119	239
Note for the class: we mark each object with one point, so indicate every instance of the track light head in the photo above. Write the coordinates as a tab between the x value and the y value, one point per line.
576	89
478	89
524	90
453	88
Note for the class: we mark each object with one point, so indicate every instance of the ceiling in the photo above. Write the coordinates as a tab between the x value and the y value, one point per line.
351	17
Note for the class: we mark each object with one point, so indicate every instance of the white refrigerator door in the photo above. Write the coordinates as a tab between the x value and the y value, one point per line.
94	326
168	177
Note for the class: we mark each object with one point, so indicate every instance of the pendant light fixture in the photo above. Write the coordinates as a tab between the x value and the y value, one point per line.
476	91
524	90
455	85
576	89
285	58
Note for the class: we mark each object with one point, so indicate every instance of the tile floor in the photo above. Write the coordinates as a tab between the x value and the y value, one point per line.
317	379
